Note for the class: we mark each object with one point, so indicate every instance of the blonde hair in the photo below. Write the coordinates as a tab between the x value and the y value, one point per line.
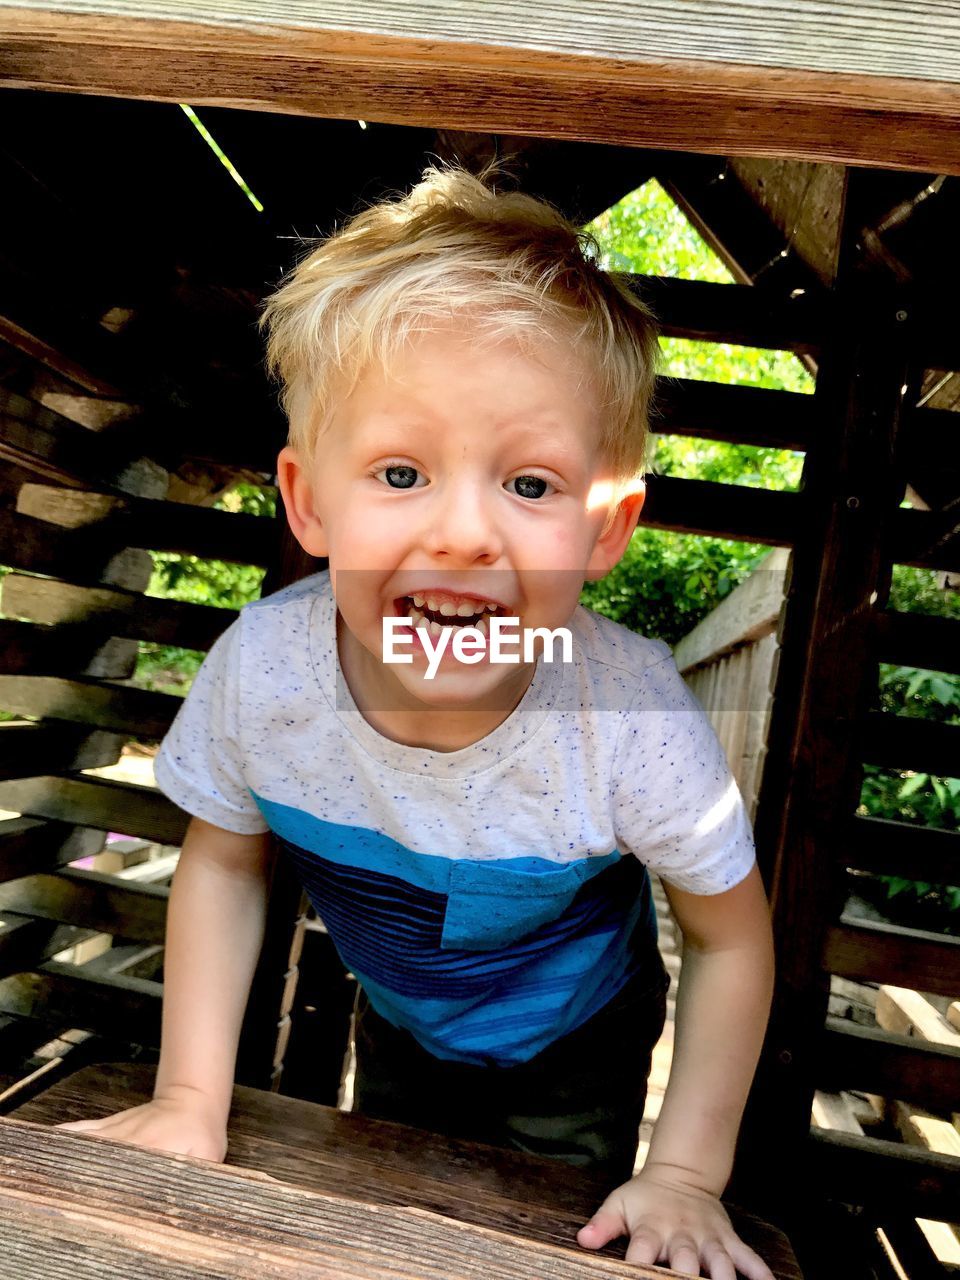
456	248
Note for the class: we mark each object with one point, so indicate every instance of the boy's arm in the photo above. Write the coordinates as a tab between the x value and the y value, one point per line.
671	1210
215	923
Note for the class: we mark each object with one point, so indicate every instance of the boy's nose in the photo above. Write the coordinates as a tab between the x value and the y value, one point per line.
462	525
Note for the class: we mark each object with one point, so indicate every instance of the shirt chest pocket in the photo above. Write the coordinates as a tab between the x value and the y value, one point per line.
491	905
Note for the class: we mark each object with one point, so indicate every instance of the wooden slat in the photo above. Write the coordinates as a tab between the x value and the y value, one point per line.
30	431
140	713
108	1004
850	1056
26	942
748	317
109	805
886	847
157	525
92	900
883	1174
27	749
913	640
129	614
888	953
72	648
908	742
79	555
572	72
927	539
737	414
35	844
722	510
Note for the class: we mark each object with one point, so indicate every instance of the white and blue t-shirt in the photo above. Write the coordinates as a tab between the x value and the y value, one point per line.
489	899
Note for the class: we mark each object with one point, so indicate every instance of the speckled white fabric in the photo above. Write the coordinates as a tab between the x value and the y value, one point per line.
490	896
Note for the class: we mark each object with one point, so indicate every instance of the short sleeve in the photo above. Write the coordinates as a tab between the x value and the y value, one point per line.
200	763
677	806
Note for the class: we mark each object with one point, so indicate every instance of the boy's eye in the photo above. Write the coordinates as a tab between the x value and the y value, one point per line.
399	476
530	486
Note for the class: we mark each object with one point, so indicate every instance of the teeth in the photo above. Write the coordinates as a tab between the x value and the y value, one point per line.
465	609
434	628
418	601
483	627
449	608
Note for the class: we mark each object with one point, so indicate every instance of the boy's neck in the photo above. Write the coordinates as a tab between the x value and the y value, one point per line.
398	715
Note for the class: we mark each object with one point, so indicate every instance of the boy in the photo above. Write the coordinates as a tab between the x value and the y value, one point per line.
468	395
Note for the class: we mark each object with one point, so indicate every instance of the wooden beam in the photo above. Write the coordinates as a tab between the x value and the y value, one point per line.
27	749
30	433
138	713
71	648
95	1002
722	510
736	414
850	1056
879	952
104	803
92	900
825	680
886	847
34	844
681	79
78	555
871	1171
909	742
156	524
737	313
913	640
115	612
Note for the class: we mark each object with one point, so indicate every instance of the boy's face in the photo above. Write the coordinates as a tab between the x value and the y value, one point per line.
464	475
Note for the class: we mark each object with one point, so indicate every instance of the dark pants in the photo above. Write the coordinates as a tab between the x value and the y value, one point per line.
580	1100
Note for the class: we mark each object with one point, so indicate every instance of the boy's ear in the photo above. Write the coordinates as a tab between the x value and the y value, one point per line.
612	543
298	503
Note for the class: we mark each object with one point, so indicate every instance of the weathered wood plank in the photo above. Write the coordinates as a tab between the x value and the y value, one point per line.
885	1174
157	525
889	953
93	900
33	844
868	1059
909	742
695	80
25	943
750	611
104	803
72	648
738	414
27	749
81	555
894	848
912	640
67	994
140	713
128	614
30	431
722	510
382	1163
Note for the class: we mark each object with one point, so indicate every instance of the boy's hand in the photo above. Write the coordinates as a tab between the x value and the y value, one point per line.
674	1222
179	1120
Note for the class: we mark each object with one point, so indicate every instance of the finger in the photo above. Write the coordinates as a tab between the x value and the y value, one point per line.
747	1262
604	1226
717	1261
683	1255
645	1246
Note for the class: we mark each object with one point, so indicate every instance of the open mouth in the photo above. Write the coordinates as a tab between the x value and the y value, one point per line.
435	614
